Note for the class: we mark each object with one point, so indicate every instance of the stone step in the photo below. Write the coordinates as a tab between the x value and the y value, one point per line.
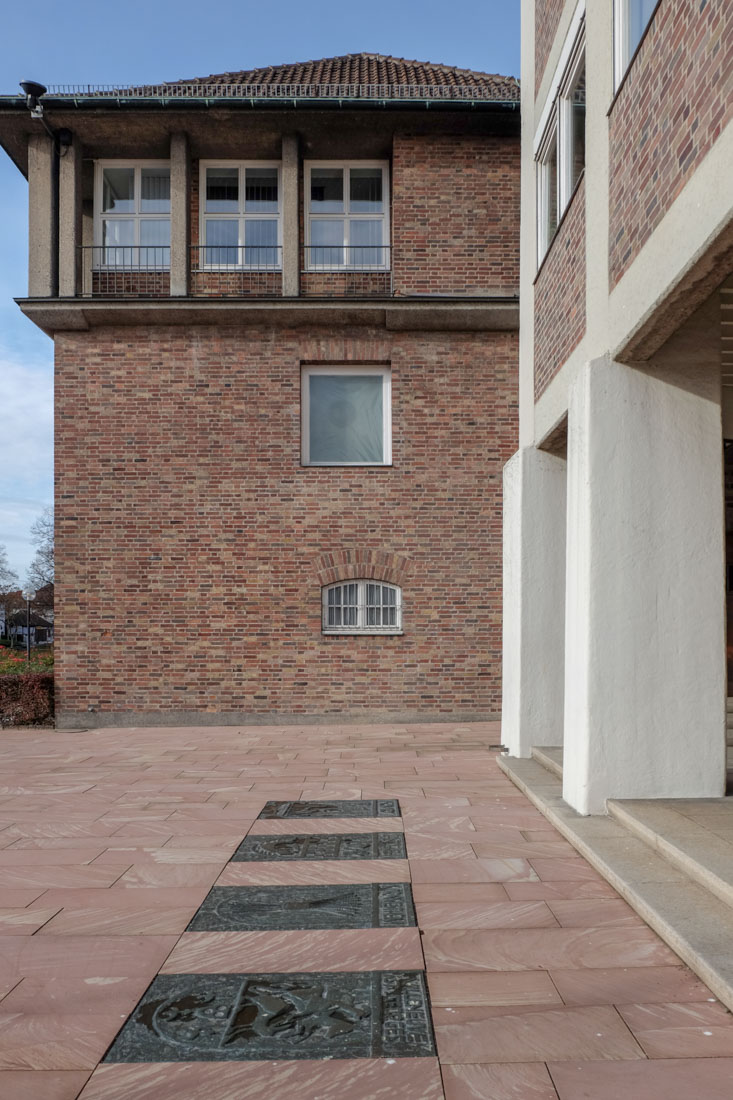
695	922
703	856
550	757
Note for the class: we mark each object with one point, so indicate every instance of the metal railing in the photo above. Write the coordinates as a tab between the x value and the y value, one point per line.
347	271
125	271
268	91
417	269
237	271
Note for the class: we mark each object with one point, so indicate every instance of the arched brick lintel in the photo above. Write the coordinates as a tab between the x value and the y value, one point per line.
347	565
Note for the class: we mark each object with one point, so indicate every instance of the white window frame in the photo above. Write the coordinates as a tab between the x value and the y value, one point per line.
558	130
241	216
137	216
361	626
347	165
622	55
345	369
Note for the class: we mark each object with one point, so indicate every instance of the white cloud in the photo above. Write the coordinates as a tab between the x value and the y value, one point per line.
26	432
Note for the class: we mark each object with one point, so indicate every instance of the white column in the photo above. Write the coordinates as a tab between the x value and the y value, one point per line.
645	638
534	600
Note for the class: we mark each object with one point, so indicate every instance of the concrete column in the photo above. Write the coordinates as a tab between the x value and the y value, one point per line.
70	221
645	613
534	600
291	217
180	215
42	218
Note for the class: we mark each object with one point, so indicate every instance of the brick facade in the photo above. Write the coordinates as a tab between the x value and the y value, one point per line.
672	107
192	544
547	19
455	215
559	302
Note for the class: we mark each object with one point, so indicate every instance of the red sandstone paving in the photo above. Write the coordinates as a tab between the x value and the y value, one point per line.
544	983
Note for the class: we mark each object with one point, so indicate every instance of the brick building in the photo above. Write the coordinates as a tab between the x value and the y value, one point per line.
614	629
285	309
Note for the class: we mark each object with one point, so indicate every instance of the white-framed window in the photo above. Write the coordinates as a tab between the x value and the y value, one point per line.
630	20
132	225
346	416
560	157
347	215
362	607
241	223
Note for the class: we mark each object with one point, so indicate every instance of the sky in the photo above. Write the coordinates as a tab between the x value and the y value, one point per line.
85	42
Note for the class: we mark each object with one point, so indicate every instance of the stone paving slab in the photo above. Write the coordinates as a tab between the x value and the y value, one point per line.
529	953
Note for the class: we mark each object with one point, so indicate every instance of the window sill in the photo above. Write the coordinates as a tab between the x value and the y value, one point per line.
368	631
346	465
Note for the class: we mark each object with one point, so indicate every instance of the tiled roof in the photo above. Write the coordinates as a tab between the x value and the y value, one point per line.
369	69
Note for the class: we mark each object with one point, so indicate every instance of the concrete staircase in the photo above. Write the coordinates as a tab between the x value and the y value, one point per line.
671	859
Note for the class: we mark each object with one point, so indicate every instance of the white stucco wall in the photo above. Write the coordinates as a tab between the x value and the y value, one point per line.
534	599
645	677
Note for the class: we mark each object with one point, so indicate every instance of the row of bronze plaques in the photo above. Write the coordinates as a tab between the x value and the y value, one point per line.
243	1017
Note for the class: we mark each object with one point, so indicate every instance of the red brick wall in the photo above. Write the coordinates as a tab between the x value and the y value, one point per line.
546	20
674	103
559	301
455	215
192	545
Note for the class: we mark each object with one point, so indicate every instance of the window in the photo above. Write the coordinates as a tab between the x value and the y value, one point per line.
362	607
347	208
132	227
631	19
346	416
240	215
561	154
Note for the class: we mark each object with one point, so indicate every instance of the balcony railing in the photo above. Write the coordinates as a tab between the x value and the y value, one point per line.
425	268
236	271
347	271
126	271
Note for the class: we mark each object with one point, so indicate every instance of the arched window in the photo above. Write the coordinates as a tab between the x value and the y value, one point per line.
362	607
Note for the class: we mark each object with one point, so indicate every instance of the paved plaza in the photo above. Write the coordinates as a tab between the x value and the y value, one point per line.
542	982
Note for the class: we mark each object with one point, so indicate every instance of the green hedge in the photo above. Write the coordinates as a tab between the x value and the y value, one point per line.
26	699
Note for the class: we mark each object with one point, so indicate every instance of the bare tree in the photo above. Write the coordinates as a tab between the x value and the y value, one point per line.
40	571
9	595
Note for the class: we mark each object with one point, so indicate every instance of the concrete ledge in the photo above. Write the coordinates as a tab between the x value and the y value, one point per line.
697	925
75	719
458	314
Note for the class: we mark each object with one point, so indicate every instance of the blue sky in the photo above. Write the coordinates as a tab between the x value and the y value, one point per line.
84	41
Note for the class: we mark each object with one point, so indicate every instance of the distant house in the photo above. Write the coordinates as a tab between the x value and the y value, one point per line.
41	629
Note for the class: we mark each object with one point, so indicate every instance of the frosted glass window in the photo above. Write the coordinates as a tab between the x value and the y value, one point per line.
222	190
346	422
261	191
222	242
327	242
155	191
359	239
118	190
132	216
366	190
238	195
260	239
327	190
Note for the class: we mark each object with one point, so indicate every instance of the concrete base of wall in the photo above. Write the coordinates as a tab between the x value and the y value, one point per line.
74	719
